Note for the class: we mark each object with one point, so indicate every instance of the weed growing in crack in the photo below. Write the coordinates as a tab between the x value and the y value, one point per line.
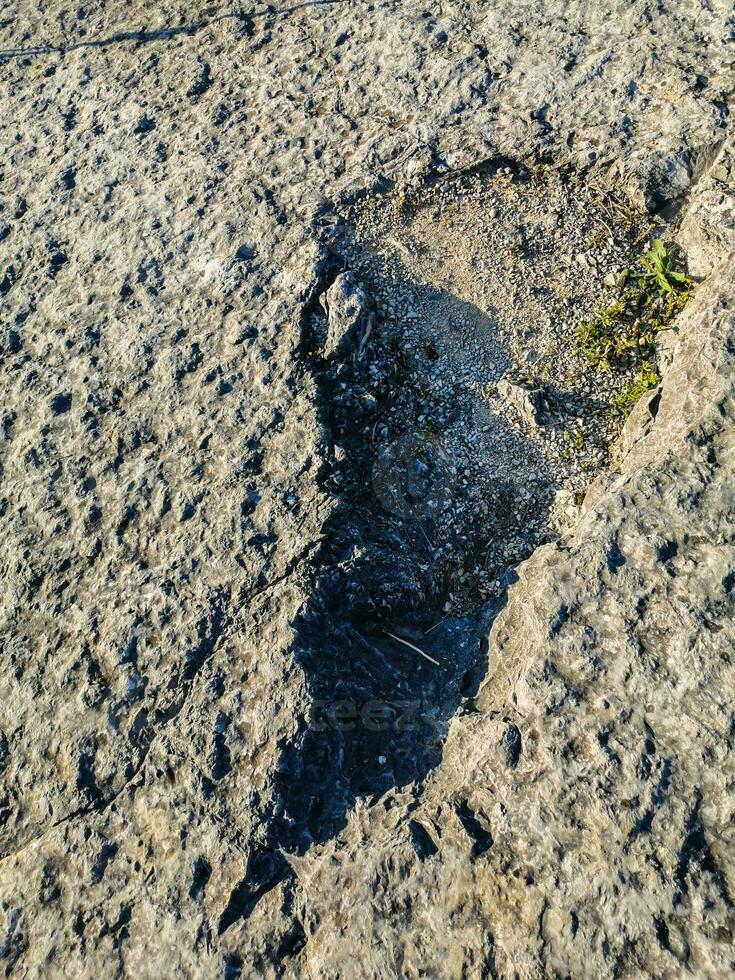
601	341
621	334
646	377
659	274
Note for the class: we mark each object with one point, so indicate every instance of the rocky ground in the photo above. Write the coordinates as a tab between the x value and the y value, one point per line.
302	673
488	421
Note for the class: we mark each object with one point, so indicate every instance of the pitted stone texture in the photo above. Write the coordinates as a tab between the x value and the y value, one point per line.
708	225
164	179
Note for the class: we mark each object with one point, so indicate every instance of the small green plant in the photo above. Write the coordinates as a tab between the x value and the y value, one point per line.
645	378
625	331
403	203
601	340
574	443
622	337
659	274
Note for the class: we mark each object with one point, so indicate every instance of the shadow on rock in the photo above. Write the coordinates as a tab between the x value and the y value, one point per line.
385	672
387	663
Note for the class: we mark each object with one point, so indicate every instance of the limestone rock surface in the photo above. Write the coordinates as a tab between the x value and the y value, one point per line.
187	784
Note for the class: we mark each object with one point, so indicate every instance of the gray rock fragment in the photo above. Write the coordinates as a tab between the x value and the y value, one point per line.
350	317
528	399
